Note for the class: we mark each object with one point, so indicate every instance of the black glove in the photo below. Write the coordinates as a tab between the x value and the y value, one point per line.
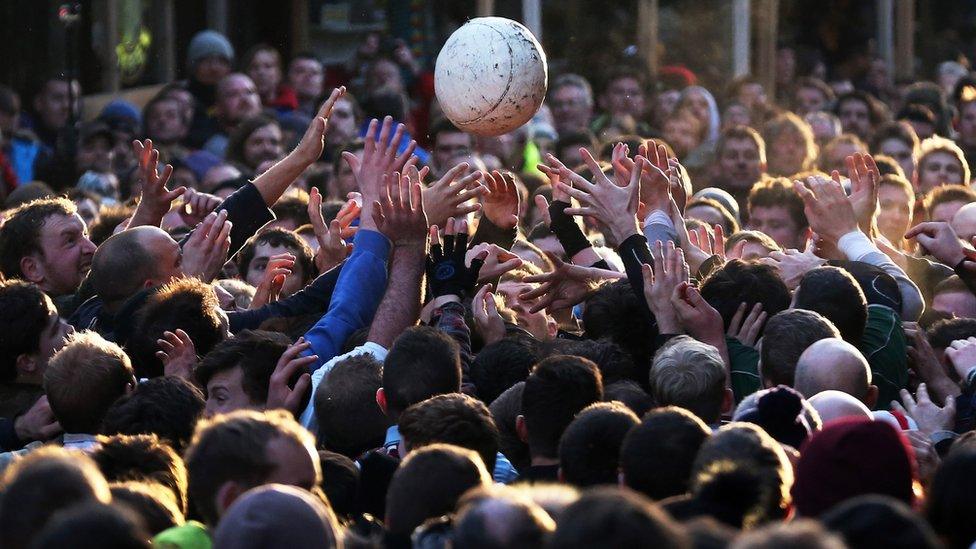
446	273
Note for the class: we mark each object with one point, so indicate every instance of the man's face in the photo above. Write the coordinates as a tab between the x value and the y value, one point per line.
809	100
777	223
95	154
956	304
211	69
895	216
225	392
939	168
262	254
570	156
263	144
167	254
306	76
237	99
265	71
706	214
787	153
967	124
450	148
682	132
52	103
740	163
52	339
295	464
342	123
855	118
66	254
571	111
538	324
945	211
624	96
165	124
836	159
736	115
752	94
902	153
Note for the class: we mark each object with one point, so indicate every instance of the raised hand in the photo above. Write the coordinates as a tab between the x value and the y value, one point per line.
926	365
962	355
279	267
497	262
500	204
280	394
206	250
830	213
564	286
746	327
655	189
155	200
177	353
669	271
399	213
942	242
612	205
699	319
487	321
38	422
929	416
310	148
792	265
380	158
865	178
446	272
196	206
449	195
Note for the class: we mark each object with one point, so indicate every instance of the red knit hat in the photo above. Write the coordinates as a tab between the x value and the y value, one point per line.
852	457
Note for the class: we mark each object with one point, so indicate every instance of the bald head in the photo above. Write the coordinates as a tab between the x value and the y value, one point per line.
833	405
964	222
132	260
834	364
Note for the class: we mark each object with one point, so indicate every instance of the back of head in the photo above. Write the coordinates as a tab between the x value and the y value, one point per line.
949	505
93	525
880	521
610	313
26	312
122	264
422	362
800	534
656	456
616	517
589	451
168	407
832	467
277	516
39	485
556	390
787	334
782	412
740	282
502	364
614	363
152	502
349	390
255	352
744	474
142	458
413	497
834	293
20	234
186	304
833	364
84	378
831	405
690	374
234	448
497	516
456	419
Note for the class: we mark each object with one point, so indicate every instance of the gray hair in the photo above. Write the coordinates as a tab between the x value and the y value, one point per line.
689	374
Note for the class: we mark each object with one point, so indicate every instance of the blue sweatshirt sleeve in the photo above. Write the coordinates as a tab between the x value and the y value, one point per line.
357	294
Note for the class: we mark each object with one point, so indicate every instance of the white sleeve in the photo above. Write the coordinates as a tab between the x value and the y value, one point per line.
307	418
856	246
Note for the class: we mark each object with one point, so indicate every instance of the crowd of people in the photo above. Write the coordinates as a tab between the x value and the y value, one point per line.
263	311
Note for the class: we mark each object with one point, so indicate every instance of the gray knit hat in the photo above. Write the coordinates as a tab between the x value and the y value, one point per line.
207	43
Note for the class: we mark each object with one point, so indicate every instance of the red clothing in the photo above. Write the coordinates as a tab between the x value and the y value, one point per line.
286	100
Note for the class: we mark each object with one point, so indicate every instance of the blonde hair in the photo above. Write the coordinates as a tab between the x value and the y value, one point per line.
936	144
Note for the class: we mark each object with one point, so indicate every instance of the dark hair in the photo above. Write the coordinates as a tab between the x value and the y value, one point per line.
340	482
233	448
477	524
142	458
254	50
84	378
240	134
787	334
502	364
616	517
729	223
109	217
617	72
902	131
614	364
20	234
36	487
455	419
580	138
255	352
167	407
294	207
740	132
630	394
915	112
151	502
778	192
835	294
277	237
740	282
880	521
950	505
657	455
877	112
817	84
944	332
948	193
26	310
9	100
93	525
442	125
422	362
892	173
796	534
589	450
429	483
614	312
185	303
347	391
505	410
556	390
385	103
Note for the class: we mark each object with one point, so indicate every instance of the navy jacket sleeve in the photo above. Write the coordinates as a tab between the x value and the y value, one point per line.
634	253
247	211
313	298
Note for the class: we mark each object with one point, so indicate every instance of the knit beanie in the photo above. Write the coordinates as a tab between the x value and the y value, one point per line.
852	457
207	43
779	411
273	516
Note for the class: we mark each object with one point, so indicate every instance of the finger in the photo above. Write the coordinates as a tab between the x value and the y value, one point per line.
922	394
736	323
326	110
648	277
907	400
490	305
165	346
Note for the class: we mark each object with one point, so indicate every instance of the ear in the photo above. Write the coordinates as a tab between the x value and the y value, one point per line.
521	430
226	495
552	327
32	269
871	397
381	399
728	402
26	364
807	234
